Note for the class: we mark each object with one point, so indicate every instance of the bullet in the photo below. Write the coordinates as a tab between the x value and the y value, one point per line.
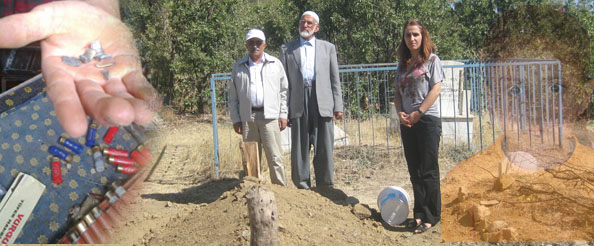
96	46
105	74
99	162
88	55
113	200
91	135
116	152
127	169
84	233
139	157
146	152
74	238
102	220
75	147
71	61
56	171
94	228
111	197
136	133
118	160
104	65
59	152
111	132
118	189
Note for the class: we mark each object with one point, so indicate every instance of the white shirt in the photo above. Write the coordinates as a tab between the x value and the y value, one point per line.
308	59
256	83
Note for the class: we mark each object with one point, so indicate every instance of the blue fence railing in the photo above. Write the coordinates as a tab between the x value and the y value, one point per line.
479	101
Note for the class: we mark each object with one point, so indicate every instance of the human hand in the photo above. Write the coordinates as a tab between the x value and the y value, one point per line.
404	119
282	123
238	127
338	115
414	117
66	28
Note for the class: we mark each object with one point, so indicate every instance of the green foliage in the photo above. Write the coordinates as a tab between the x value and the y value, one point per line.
183	42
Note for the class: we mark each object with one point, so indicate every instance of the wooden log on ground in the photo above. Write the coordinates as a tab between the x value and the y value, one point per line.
251	158
263	216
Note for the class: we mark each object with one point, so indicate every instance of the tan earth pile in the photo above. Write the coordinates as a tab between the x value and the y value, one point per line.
543	206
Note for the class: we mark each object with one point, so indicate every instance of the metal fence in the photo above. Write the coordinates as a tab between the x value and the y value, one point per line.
479	101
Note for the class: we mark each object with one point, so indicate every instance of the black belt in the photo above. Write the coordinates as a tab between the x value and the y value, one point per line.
258	109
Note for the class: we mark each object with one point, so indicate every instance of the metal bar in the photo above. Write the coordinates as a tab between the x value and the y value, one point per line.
466	102
370	108
546	89
553	99
453	89
215	132
357	81
541	94
387	106
504	104
560	92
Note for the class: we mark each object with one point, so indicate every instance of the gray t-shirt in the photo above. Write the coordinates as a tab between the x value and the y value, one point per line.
415	84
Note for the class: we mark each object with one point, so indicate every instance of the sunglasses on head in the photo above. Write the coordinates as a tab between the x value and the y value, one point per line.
306	21
252	42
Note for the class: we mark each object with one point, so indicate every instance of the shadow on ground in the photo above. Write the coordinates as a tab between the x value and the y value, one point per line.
205	193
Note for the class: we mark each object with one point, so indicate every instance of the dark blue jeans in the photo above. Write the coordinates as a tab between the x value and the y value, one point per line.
421	144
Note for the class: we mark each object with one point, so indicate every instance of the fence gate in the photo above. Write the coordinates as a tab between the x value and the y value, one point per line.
526	100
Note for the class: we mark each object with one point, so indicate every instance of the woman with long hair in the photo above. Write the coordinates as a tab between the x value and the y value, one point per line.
418	84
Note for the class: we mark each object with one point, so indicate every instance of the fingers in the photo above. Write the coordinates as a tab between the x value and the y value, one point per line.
104	108
238	128
146	99
282	124
51	20
69	111
23	28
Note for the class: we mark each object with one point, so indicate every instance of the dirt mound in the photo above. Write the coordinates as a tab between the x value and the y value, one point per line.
555	205
305	218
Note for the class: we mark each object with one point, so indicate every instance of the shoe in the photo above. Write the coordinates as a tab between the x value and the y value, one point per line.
412	224
423	227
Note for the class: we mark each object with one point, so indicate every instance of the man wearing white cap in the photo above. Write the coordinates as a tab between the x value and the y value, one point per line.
258	101
315	99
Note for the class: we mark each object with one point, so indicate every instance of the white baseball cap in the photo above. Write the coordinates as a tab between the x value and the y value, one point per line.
312	14
255	33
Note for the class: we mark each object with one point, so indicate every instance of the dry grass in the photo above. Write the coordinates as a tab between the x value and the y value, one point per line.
376	144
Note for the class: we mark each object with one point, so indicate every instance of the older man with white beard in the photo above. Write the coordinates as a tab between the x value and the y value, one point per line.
315	99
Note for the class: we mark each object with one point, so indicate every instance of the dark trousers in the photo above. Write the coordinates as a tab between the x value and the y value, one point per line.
312	129
421	143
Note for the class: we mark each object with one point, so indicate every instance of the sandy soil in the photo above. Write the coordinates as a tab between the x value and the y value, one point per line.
182	204
534	206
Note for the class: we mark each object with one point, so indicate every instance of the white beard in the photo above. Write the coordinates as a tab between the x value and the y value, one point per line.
306	34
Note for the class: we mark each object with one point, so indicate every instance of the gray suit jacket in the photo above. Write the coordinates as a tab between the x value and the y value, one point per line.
327	85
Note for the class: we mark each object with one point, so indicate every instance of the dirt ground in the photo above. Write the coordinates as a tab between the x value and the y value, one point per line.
483	202
182	204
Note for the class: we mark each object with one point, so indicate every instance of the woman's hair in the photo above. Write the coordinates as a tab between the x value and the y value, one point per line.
426	49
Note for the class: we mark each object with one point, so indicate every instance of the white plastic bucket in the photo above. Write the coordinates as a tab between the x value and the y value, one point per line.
393	203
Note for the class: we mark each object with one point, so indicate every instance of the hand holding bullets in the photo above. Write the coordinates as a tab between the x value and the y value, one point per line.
94	52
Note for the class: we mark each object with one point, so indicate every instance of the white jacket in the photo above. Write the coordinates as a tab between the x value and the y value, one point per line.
275	90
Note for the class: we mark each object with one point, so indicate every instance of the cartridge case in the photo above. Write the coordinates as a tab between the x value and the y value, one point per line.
115	152
71	145
111	132
127	169
61	153
91	133
56	171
